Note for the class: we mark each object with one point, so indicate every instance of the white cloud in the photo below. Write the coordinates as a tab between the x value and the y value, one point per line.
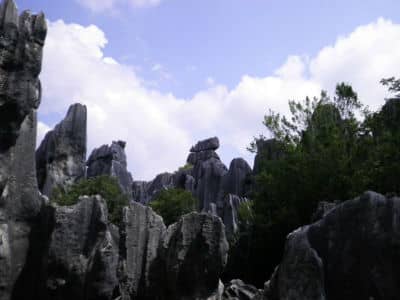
160	128
98	6
42	129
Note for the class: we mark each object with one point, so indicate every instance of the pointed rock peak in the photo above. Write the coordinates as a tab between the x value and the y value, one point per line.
120	143
40	27
76	109
9	13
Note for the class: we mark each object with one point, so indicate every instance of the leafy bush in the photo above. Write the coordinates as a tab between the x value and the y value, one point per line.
186	167
171	204
245	213
105	186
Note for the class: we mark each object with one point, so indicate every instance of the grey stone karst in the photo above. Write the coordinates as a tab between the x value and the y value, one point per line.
195	251
207	144
146	191
82	256
219	191
208	173
351	253
48	252
141	266
111	161
228	211
161	263
237	179
61	157
21	42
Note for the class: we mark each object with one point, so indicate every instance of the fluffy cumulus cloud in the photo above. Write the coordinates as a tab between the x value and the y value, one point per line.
99	6
160	128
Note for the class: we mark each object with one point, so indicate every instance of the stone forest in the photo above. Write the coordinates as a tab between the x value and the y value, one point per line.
317	217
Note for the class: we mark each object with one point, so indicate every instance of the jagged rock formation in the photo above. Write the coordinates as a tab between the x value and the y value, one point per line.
60	159
237	180
142	269
228	211
238	290
351	253
219	191
196	250
160	263
111	161
21	42
144	192
82	257
208	172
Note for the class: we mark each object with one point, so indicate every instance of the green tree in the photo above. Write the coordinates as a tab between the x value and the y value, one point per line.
171	204
317	146
105	186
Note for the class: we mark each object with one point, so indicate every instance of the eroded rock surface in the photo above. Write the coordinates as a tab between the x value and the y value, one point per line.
21	44
228	211
82	258
111	161
61	157
142	271
207	144
351	253
195	254
237	180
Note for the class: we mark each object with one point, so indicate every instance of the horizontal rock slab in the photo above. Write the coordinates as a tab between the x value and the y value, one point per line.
204	145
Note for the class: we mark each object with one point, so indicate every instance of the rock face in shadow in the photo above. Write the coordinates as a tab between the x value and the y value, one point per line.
238	290
195	253
210	144
21	42
208	173
228	211
111	161
82	257
351	253
237	180
61	157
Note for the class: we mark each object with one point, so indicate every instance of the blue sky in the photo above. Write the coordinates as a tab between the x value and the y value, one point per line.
191	69
222	39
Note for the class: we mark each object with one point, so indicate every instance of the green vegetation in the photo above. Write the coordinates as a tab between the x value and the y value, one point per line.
186	167
105	186
171	204
329	149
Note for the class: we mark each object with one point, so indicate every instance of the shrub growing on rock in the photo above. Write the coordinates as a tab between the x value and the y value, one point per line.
171	204
105	186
